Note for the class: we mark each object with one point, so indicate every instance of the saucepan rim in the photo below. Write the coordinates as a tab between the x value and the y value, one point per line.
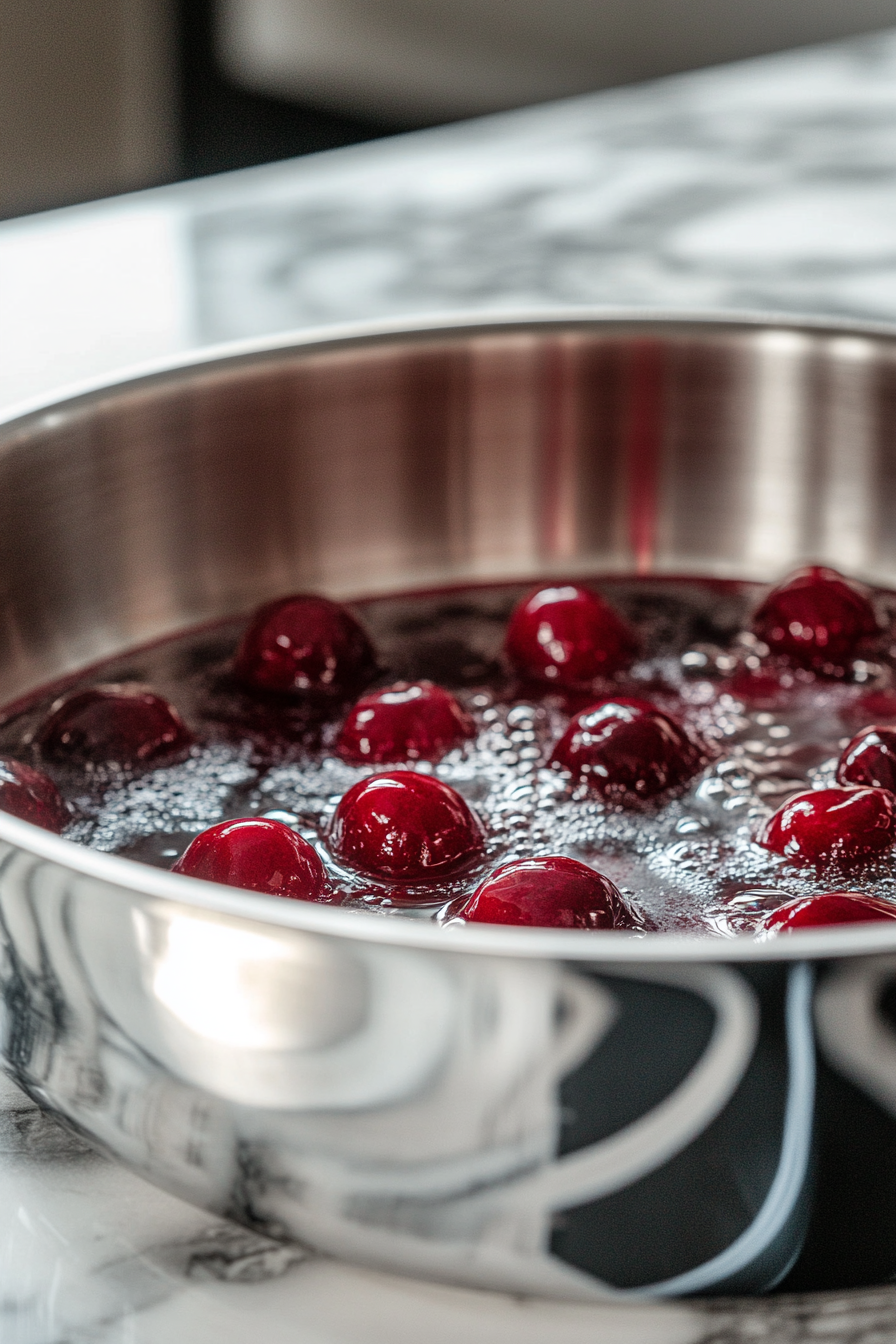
17	416
143	880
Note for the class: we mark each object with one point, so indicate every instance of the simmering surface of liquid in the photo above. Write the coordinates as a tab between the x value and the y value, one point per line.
688	862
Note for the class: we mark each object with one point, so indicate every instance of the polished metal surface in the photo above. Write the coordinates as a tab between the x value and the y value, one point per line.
373	464
555	1112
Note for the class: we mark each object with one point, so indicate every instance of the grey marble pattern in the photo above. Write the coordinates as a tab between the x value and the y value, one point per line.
767	185
91	1255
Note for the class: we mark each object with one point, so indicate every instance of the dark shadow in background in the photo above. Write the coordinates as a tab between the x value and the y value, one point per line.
223	126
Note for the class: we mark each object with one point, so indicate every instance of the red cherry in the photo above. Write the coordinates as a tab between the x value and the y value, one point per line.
834	826
816	617
126	725
405	825
870	758
256	853
31	795
833	907
627	750
304	643
554	893
568	637
410	721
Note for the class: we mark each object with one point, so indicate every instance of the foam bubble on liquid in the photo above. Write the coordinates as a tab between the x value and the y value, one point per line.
690	862
186	797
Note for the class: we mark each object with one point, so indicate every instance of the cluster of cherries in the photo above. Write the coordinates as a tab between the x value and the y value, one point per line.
406	827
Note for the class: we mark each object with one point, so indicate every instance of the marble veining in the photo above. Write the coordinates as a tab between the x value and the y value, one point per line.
92	1255
767	185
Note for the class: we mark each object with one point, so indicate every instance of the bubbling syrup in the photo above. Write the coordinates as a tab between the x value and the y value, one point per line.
763	729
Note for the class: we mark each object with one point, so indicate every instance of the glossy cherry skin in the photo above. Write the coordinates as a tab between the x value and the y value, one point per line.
816	618
550	893
831	907
258	854
406	826
129	726
304	644
568	637
410	721
870	758
833	827
627	750
31	795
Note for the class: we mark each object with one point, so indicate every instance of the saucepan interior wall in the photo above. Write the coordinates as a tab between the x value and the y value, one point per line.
378	465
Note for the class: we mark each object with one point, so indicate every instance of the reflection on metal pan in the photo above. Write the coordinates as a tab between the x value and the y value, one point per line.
545	1112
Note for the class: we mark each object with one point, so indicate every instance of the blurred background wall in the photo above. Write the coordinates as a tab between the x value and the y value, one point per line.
101	96
88	99
433	59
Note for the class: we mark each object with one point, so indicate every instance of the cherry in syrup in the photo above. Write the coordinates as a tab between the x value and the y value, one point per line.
834	827
31	795
257	853
816	618
627	750
283	731
830	907
410	721
870	758
304	644
568	637
406	826
553	892
125	725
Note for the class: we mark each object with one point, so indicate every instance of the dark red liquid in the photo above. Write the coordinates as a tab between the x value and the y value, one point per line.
686	860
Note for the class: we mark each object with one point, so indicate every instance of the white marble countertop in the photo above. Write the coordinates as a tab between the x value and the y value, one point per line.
770	184
90	1254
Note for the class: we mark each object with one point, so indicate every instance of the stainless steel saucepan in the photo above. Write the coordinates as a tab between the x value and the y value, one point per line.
564	1113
